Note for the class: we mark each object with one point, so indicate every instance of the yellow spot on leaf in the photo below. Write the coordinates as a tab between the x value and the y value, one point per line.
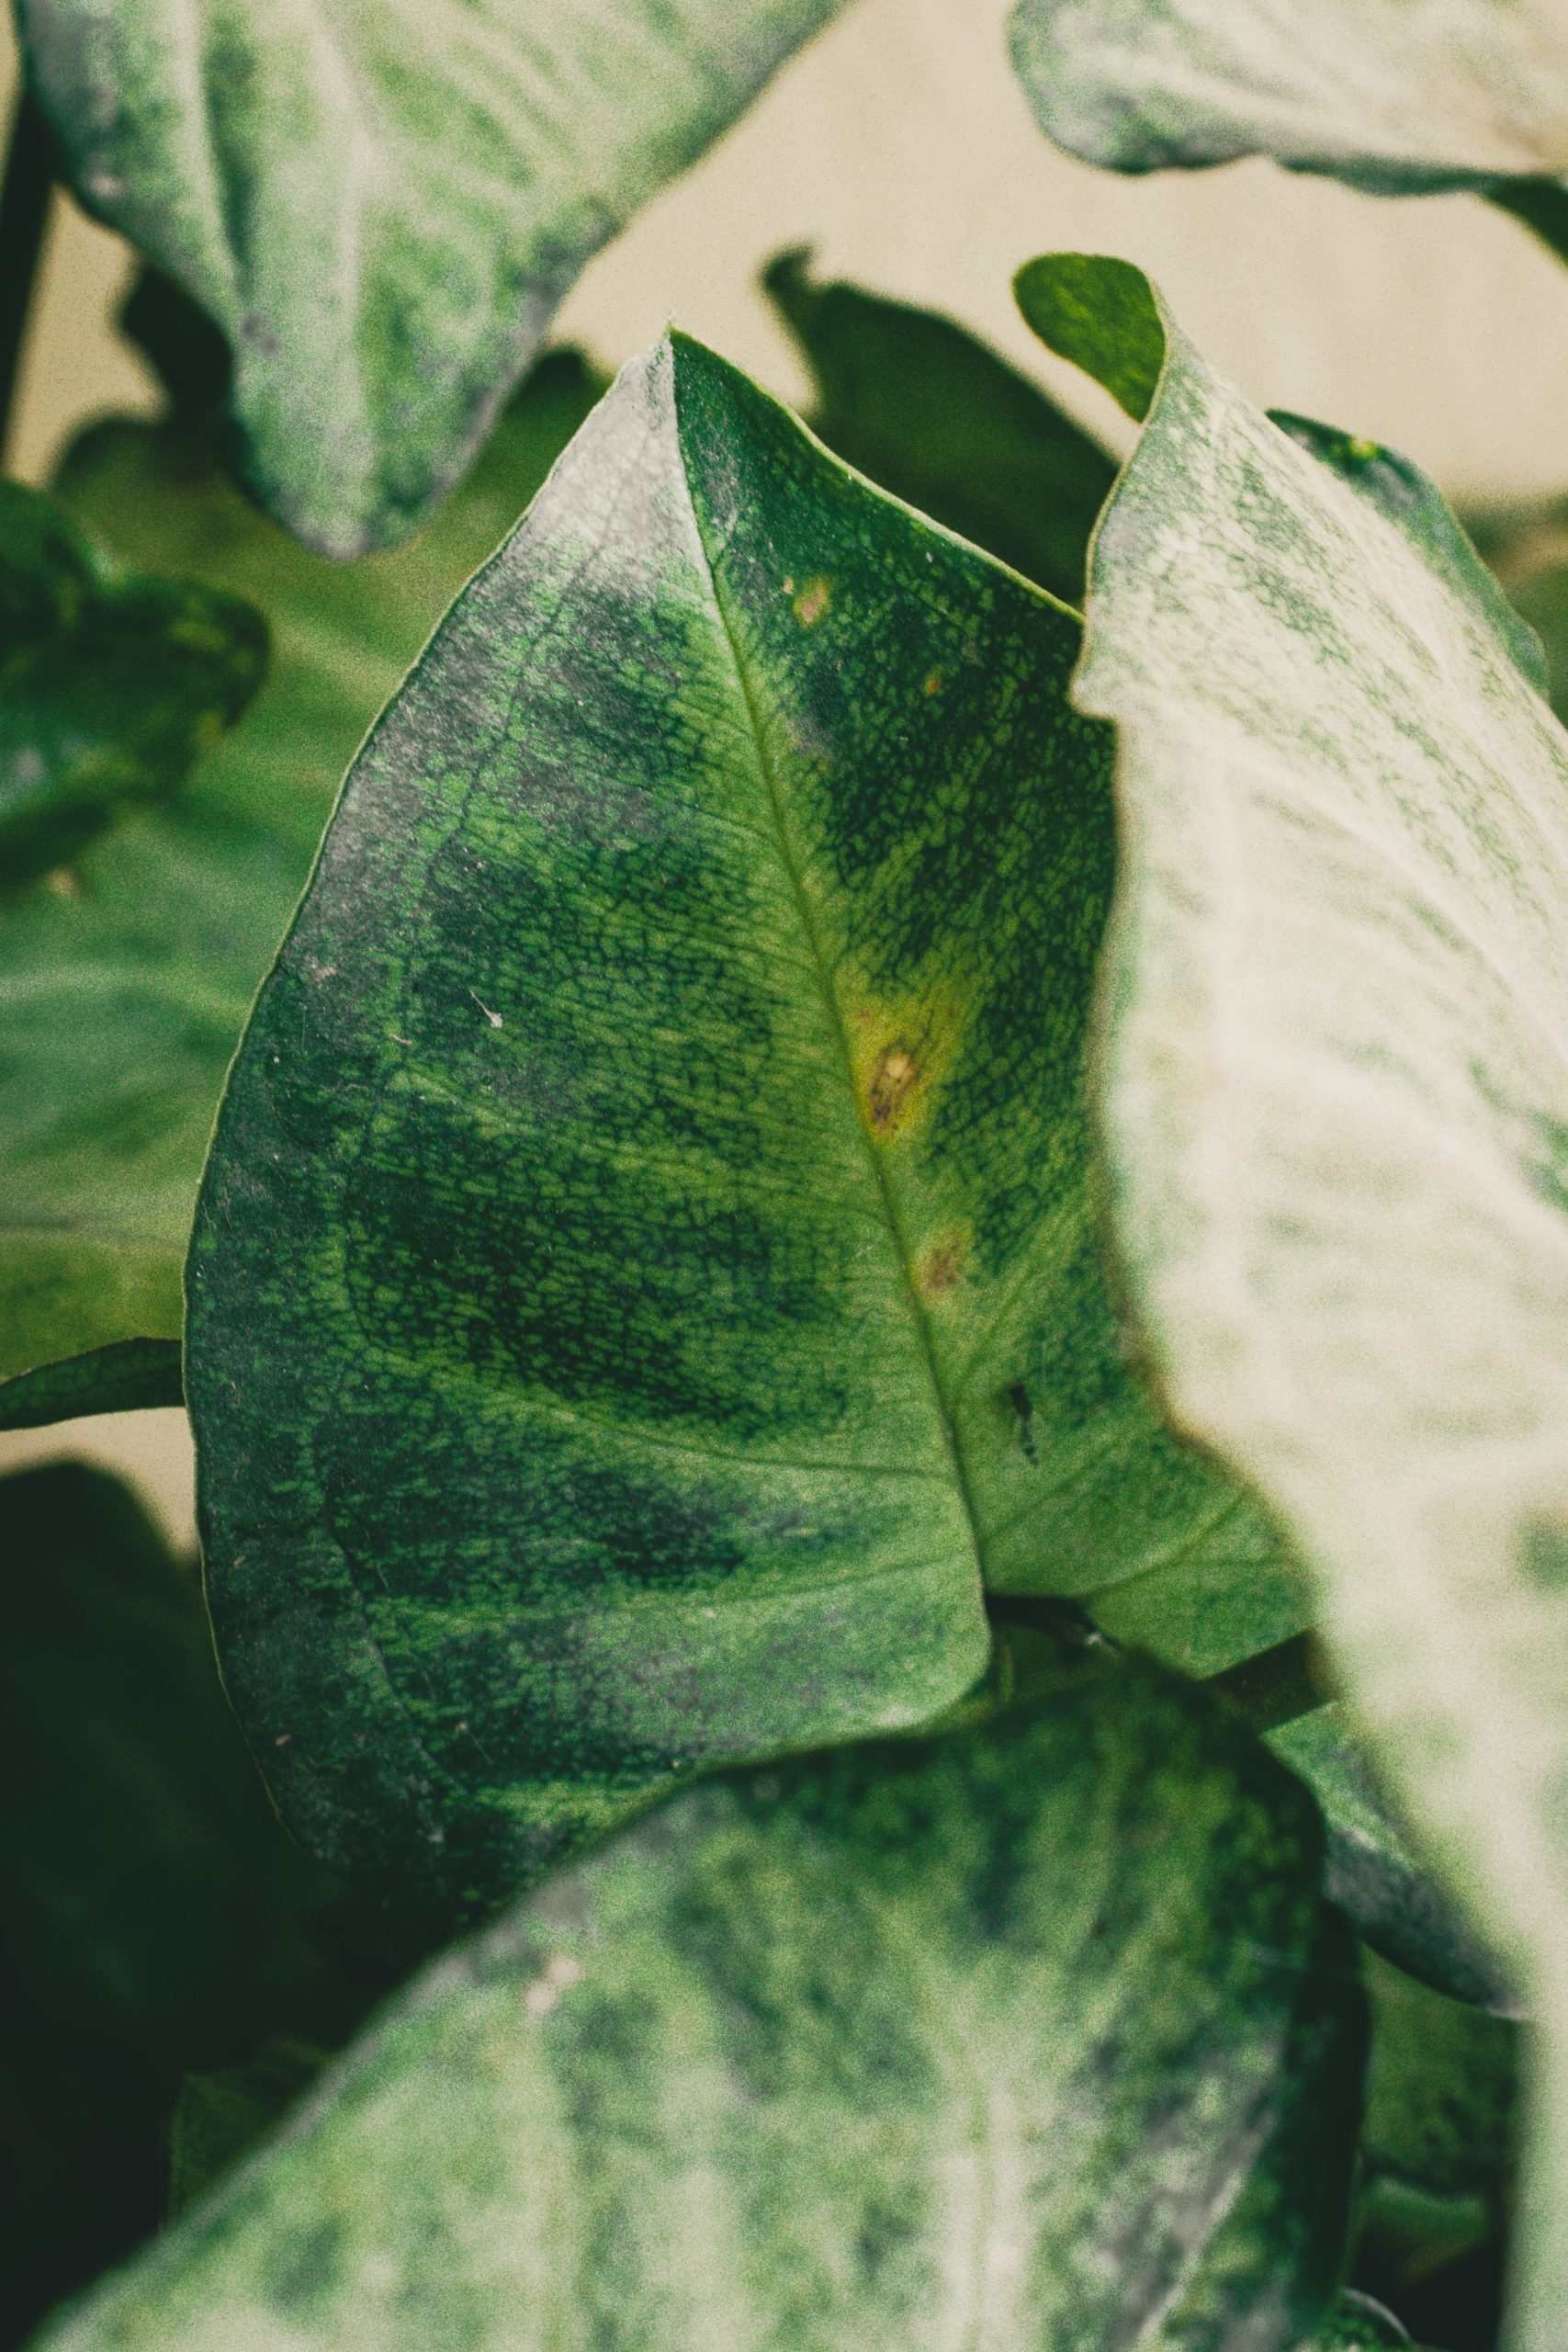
812	603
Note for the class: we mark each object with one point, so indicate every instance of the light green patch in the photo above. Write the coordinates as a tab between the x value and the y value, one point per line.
899	2048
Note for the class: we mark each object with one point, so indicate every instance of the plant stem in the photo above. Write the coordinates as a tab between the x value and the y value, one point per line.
24	209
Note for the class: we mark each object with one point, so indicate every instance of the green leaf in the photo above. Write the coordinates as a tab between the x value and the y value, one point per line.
1033	2035
1442	2088
125	989
1335	1103
382	209
645	1277
942	421
154	1916
111	684
1375	1873
1392	100
126	1376
1357	2324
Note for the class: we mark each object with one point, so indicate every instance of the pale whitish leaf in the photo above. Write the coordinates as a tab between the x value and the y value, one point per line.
1334	1105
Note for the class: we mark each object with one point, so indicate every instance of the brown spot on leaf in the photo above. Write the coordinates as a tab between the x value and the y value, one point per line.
933	682
889	1090
812	603
941	1271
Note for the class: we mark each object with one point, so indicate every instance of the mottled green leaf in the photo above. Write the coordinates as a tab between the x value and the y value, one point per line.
1375	1873
382	207
126	982
1393	97
645	1281
1334	1105
111	684
152	1916
1032	2037
940	419
1526	548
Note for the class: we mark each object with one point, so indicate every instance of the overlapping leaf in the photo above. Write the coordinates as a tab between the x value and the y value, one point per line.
111	684
898	2048
1335	1103
127	984
1391	96
644	1282
381	206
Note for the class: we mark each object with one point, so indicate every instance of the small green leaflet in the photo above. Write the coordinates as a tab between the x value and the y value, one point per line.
1395	98
124	987
644	1280
383	206
898	2048
1335	1100
111	684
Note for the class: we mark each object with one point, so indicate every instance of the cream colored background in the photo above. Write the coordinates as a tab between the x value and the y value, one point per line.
898	145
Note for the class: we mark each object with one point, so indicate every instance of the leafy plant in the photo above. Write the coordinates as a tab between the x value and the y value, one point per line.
870	1271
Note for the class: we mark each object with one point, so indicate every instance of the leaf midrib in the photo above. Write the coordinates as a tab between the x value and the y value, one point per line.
794	870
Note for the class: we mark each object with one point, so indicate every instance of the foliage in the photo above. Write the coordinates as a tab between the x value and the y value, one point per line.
870	1271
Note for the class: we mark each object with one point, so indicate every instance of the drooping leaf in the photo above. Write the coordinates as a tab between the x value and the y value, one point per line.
111	684
940	420
382	209
1032	2036
645	1280
154	1917
1375	1874
1334	1102
1393	99
124	990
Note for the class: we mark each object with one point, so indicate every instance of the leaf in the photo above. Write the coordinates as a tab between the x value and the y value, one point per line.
1393	99
125	991
1441	2089
1334	1104
1033	2035
128	1376
665	1118
111	684
940	420
381	209
1375	1873
154	1916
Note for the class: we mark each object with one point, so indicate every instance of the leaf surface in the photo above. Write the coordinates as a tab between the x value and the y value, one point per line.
381	207
645	1281
1393	97
902	2047
1334	1104
125	987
